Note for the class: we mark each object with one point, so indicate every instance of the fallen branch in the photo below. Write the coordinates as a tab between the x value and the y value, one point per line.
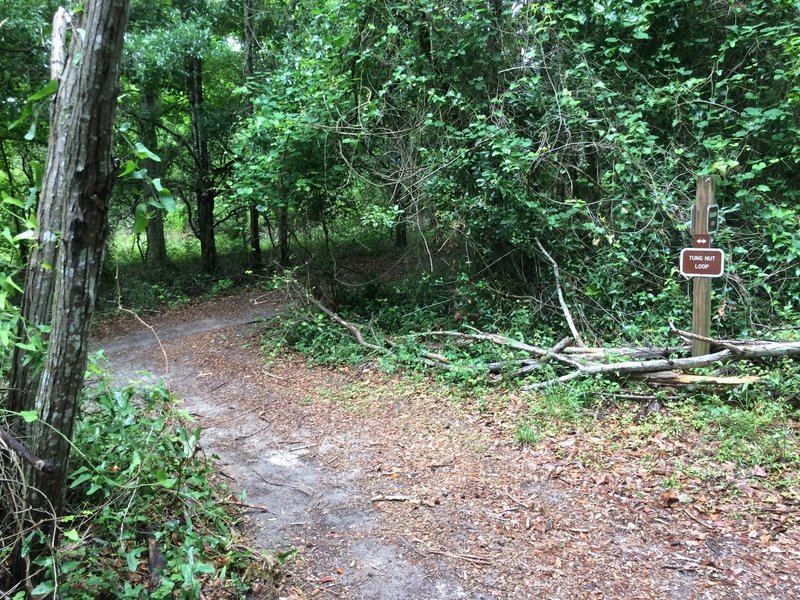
383	498
657	365
354	329
430	359
552	353
500	340
11	443
676	378
693	336
618	352
754	350
561	301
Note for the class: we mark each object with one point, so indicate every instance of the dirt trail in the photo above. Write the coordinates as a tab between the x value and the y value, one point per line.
390	492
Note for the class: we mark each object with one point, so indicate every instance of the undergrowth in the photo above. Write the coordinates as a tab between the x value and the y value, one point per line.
751	427
139	286
140	482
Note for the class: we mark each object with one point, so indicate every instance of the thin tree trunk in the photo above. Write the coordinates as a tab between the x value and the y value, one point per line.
204	194
150	114
253	213
283	235
12	187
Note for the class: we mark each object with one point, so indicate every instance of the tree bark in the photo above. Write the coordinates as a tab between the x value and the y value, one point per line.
74	202
283	235
254	237
39	277
204	193
150	114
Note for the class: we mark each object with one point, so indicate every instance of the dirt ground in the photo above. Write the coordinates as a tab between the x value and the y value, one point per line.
391	490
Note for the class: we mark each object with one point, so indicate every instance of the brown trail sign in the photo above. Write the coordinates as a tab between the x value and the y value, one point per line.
702	262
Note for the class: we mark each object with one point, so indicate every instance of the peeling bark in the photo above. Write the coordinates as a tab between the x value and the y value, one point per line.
73	209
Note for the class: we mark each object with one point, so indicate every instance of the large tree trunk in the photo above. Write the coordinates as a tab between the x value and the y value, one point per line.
150	113
73	202
204	193
253	214
38	293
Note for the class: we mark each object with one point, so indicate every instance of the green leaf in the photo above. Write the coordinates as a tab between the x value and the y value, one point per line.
31	131
13	201
80	479
46	587
141	218
25	235
48	90
29	416
132	558
130	167
168	202
162	479
143	152
27	111
72	535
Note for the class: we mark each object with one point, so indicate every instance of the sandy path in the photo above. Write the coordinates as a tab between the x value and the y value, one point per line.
390	491
250	422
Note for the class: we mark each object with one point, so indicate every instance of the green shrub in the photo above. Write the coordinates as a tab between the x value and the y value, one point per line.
139	477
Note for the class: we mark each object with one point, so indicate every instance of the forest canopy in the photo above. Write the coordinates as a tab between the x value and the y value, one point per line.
471	128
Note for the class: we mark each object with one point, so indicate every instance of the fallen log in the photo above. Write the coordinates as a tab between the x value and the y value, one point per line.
677	378
753	350
656	365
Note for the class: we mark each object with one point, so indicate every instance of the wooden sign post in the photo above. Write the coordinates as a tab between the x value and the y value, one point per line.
701	286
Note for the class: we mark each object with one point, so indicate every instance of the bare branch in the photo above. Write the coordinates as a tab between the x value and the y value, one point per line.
10	442
561	301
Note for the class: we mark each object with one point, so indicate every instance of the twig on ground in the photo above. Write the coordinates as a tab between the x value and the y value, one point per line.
409	499
516	500
472	558
245	505
280	484
697	520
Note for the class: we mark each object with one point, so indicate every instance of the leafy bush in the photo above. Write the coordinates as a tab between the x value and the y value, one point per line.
140	479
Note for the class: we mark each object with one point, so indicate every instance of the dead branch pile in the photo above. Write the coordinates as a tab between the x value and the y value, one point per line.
654	365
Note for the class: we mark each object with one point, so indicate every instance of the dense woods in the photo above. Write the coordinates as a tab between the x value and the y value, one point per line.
517	169
470	129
